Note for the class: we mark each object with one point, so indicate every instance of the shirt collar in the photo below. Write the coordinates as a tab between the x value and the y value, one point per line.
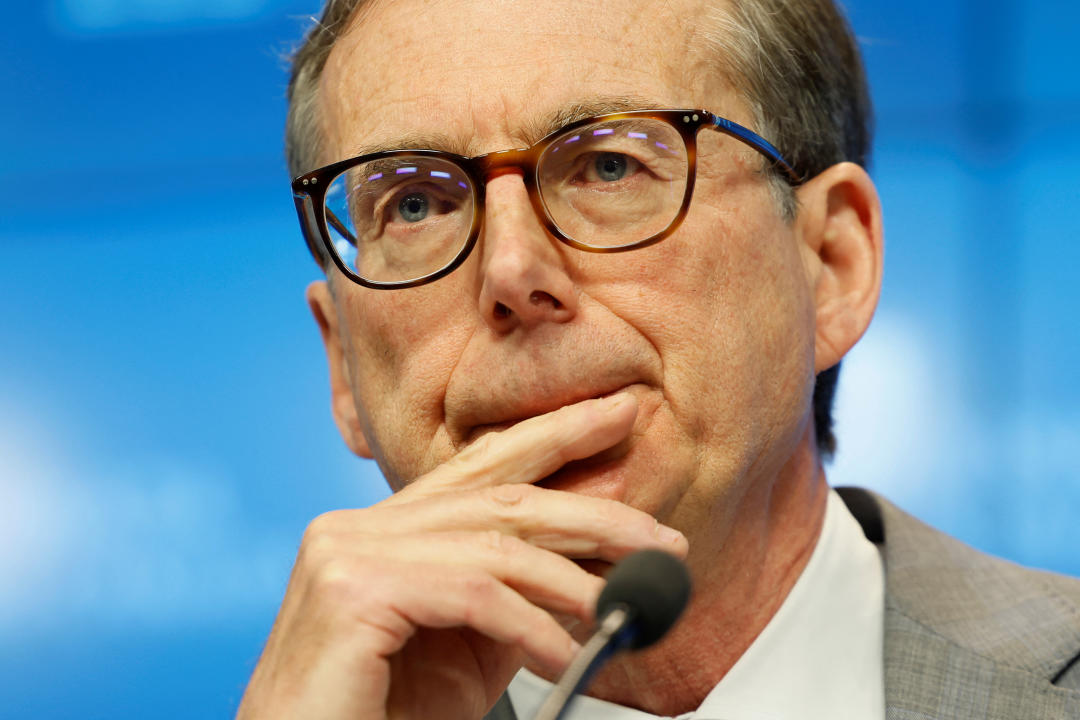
820	656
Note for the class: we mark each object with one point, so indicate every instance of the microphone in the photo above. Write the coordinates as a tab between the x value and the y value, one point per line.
644	596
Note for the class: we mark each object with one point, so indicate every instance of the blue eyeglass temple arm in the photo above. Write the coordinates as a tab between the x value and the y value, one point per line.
759	143
335	223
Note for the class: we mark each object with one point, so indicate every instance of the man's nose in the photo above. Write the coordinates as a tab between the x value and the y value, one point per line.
524	281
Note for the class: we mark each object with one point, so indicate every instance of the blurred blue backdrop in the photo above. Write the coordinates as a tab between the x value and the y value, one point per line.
165	433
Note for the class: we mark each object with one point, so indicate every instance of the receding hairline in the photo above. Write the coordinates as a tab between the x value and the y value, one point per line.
530	130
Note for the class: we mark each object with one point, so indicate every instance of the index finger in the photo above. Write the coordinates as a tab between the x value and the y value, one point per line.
535	448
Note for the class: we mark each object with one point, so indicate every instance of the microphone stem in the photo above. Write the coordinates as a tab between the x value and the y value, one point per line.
607	640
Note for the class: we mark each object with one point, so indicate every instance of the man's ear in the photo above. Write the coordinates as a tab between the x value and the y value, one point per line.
843	245
342	403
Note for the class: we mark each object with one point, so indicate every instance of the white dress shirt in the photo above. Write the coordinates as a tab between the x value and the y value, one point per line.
819	657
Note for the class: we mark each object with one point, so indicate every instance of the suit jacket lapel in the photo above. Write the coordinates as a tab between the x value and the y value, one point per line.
930	677
968	636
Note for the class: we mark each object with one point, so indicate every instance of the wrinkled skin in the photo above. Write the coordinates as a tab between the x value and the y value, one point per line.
542	412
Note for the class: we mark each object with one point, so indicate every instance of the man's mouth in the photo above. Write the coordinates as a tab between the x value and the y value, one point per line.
577	473
603	475
498	425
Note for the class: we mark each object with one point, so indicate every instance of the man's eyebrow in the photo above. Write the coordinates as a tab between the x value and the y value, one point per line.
603	105
412	141
530	132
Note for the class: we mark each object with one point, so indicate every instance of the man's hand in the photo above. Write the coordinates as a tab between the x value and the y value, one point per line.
426	604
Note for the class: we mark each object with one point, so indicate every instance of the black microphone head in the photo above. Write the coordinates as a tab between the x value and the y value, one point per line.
655	586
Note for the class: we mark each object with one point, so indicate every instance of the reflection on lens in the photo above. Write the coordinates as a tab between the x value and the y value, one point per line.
615	183
399	218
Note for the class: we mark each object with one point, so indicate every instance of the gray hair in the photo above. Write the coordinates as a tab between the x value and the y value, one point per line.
795	64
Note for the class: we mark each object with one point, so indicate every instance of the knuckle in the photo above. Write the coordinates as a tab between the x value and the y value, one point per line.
511	497
494	540
335	579
504	545
317	547
522	635
479	589
615	519
347	594
321	526
324	521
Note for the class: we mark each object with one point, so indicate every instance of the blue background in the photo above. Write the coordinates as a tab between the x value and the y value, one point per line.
165	433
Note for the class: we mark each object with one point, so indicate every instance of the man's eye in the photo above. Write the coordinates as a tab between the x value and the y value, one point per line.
413	207
610	167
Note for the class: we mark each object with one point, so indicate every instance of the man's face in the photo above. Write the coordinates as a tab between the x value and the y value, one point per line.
712	329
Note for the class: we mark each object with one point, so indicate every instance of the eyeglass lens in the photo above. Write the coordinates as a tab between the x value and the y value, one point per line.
605	185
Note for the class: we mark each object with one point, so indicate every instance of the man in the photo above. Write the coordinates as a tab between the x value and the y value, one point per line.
625	337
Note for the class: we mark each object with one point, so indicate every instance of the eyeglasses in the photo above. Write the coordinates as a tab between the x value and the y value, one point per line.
610	183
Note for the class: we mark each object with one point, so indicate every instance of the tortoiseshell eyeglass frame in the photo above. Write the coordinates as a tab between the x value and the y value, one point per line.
309	189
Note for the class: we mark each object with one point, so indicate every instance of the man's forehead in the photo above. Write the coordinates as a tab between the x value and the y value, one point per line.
532	126
472	76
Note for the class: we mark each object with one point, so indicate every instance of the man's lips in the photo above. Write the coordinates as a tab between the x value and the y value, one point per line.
602	474
592	475
486	420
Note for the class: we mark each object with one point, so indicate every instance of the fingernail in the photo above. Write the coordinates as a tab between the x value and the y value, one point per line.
667	535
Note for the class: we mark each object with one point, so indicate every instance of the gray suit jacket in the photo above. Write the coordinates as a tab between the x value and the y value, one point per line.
967	636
